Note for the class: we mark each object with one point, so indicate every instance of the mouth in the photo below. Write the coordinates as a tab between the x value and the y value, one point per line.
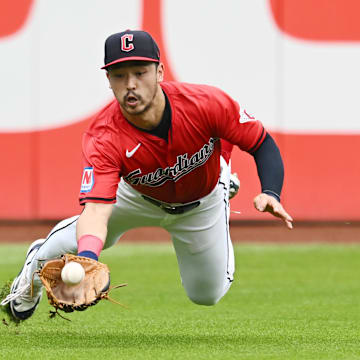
131	100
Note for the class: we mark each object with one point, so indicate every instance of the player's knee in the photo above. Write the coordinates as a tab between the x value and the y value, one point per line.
207	299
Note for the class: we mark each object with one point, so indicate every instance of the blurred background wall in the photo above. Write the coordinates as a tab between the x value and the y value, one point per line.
293	64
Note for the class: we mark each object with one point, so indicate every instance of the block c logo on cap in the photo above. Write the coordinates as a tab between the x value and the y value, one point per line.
127	42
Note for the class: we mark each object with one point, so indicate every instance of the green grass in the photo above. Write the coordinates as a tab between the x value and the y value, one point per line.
287	302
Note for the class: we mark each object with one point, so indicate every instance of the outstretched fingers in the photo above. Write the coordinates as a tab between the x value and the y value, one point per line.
267	203
280	212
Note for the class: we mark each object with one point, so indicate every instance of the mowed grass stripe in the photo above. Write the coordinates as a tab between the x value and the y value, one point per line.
287	302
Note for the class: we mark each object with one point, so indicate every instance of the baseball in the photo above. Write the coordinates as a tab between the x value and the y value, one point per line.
72	273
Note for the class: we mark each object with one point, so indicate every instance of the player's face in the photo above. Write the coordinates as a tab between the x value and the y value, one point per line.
135	85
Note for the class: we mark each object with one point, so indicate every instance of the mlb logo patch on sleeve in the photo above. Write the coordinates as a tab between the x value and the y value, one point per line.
87	181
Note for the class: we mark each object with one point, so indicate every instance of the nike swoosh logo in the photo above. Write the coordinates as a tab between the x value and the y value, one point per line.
129	154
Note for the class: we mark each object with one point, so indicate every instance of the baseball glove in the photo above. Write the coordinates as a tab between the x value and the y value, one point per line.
94	287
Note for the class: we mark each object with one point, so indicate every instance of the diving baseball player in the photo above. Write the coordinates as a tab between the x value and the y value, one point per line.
152	157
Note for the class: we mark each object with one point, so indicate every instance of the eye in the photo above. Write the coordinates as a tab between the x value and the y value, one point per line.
140	73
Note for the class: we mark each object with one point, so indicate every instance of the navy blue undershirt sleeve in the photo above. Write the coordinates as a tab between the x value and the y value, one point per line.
88	254
270	167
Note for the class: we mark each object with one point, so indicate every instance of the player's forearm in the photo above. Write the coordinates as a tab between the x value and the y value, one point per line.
93	221
270	167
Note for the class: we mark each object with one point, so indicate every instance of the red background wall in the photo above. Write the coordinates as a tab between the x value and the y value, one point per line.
41	170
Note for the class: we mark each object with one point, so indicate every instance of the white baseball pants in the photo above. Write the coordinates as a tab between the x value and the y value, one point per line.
200	237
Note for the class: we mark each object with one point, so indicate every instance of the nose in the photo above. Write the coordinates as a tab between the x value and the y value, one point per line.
131	82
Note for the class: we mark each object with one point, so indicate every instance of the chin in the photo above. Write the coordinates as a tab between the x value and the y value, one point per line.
136	111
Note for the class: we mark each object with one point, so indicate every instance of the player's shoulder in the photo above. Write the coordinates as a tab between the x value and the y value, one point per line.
207	98
176	88
103	132
104	120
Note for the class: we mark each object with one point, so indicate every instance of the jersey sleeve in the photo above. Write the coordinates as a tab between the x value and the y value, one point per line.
235	124
101	173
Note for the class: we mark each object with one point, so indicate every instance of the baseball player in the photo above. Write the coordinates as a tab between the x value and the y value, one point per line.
152	157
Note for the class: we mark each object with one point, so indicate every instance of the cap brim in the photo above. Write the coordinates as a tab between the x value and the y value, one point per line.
130	58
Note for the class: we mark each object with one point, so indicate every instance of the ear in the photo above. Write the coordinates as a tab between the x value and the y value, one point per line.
108	77
160	72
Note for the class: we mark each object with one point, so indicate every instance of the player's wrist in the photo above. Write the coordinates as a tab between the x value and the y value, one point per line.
89	254
90	246
272	193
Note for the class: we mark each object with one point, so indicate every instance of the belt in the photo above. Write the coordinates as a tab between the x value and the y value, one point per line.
173	210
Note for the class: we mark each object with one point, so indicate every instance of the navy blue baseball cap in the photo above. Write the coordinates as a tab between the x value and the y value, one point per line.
130	45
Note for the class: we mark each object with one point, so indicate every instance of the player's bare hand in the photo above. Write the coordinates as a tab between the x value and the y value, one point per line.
267	203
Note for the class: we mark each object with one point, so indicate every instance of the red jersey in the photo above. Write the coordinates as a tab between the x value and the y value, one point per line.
180	170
